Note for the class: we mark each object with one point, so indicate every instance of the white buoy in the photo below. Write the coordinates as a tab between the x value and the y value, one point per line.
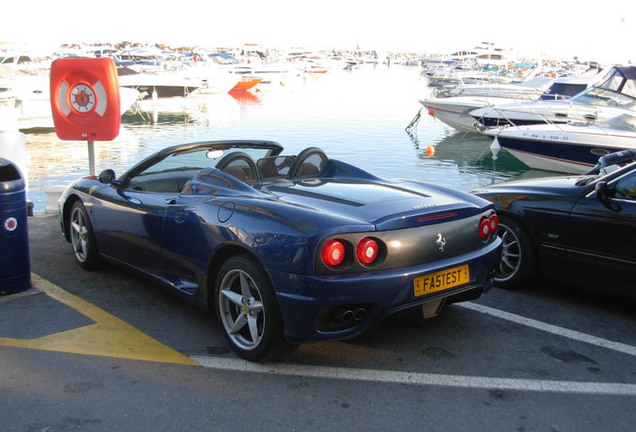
494	148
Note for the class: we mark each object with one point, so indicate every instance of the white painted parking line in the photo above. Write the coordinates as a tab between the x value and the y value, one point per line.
559	331
425	379
416	378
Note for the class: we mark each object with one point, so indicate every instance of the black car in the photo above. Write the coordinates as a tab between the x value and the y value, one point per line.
585	224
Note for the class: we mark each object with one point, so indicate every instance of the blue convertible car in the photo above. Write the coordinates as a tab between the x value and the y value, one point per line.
286	248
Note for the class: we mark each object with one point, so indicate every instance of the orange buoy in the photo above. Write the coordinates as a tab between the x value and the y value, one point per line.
430	150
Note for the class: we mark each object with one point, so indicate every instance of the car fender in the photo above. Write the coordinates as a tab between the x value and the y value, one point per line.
282	236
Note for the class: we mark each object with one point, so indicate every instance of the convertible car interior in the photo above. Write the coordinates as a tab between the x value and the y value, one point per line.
309	163
162	182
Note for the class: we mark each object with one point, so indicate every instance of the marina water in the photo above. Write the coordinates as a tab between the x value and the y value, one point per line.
358	116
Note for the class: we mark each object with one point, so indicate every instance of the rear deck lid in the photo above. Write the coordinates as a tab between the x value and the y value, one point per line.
387	206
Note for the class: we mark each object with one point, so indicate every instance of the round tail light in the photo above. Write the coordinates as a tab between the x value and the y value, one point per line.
367	251
484	228
333	253
494	223
488	226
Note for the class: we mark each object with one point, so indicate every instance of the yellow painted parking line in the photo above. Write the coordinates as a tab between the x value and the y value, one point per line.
109	336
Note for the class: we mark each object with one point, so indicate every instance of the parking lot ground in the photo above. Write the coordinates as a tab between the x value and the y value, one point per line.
107	350
78	327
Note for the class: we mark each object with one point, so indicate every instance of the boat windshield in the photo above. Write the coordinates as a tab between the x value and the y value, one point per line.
617	91
624	122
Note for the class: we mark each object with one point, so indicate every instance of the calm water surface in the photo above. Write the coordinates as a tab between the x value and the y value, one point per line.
357	116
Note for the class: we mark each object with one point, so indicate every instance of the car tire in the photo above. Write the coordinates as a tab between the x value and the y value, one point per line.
519	262
83	237
248	311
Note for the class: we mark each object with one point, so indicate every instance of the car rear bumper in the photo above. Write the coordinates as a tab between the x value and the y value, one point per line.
317	308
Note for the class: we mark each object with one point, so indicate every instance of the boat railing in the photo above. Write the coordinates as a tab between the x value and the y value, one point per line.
510	122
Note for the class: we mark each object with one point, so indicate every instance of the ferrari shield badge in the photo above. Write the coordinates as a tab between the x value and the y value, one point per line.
440	242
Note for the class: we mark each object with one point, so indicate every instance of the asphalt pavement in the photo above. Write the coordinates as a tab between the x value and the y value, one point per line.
110	351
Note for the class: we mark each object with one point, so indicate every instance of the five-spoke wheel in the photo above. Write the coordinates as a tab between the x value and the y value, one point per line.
241	309
82	237
248	311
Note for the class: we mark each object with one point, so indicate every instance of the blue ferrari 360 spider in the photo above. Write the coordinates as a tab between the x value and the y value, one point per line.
286	248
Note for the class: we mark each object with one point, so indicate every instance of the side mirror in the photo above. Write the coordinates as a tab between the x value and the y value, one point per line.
106	176
602	191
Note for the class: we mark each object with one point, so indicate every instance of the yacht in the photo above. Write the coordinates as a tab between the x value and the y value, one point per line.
455	111
614	94
158	84
459	111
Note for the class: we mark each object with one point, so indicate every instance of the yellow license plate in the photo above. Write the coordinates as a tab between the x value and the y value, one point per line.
441	280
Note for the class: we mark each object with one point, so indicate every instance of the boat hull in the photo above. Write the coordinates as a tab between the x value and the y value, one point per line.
455	111
562	150
549	156
246	83
165	91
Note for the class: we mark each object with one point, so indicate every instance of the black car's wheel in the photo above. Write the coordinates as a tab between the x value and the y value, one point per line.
248	311
519	262
82	237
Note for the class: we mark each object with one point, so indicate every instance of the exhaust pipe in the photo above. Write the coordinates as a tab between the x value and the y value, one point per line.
346	316
360	314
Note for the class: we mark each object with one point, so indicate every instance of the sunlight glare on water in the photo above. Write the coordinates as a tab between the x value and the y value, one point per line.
357	116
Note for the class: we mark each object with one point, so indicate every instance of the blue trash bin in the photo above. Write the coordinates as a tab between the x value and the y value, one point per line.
15	265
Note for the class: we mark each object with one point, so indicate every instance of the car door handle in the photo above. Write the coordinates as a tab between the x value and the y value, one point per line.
170	201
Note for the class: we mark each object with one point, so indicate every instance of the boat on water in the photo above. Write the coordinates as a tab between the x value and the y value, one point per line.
444	78
246	82
529	89
458	111
268	73
614	94
455	111
567	148
484	53
158	84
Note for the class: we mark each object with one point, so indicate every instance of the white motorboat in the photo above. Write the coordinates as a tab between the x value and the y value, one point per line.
455	111
614	94
450	76
485	53
458	112
530	89
160	84
568	148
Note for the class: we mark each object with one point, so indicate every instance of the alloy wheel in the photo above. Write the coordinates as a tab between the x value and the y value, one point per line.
241	309
511	257
79	234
